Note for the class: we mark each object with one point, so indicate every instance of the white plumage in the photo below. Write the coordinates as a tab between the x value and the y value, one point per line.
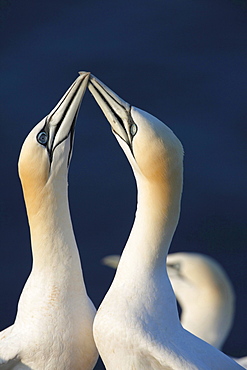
53	325
204	292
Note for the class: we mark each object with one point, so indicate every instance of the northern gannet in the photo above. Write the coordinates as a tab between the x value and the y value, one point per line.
53	325
137	325
204	292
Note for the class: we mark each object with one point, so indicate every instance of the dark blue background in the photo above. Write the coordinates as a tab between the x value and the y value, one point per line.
184	62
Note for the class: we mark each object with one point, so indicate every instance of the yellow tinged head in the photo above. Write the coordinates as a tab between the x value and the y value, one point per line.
157	151
33	165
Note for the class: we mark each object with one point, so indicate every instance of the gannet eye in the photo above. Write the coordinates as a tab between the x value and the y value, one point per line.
133	129
175	266
42	137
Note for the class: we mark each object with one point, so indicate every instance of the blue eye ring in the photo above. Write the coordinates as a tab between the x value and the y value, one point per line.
133	129
42	138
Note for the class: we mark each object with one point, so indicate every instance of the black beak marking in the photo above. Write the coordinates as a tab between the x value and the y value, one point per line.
109	106
71	131
119	119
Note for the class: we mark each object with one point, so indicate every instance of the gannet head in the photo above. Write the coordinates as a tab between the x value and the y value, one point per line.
196	276
46	152
151	147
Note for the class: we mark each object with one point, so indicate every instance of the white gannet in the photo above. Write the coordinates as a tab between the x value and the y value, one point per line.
204	292
137	325
53	325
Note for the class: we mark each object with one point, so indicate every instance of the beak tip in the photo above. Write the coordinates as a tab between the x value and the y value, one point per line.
84	77
84	74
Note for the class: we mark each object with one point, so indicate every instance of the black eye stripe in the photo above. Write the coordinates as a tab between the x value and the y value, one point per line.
176	266
61	120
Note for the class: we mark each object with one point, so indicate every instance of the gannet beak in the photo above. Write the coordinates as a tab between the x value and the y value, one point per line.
60	122
116	110
111	261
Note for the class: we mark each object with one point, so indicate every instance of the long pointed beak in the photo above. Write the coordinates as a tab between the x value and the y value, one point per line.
116	110
60	122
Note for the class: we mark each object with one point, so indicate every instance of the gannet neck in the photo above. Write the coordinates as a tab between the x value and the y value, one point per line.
158	169
157	214
158	208
51	228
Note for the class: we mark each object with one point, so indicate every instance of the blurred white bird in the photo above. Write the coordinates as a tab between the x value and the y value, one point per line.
205	294
137	325
53	325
